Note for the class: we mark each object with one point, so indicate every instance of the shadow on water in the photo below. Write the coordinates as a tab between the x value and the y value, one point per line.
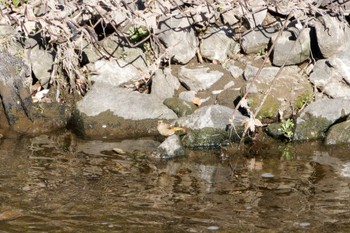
61	184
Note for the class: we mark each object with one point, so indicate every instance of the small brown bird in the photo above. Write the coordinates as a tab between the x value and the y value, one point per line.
166	129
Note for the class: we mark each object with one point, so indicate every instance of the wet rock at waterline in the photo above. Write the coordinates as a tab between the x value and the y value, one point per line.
315	119
18	111
338	134
110	112
171	147
208	126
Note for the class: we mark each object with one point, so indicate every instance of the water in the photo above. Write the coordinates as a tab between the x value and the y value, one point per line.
62	184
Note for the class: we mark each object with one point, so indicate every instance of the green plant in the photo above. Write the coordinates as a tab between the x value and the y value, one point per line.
17	3
137	33
262	51
287	127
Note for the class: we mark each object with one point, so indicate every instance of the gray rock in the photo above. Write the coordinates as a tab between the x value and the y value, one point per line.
164	84
284	7
41	62
207	126
338	134
266	74
217	43
114	73
111	113
331	35
256	13
179	106
316	118
234	70
332	76
255	41
199	78
178	36
127	104
187	95
290	48
231	16
171	147
287	93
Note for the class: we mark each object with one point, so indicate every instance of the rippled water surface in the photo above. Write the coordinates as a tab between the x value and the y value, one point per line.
62	184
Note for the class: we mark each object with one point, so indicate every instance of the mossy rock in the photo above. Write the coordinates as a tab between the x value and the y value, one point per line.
179	106
311	128
303	99
339	134
206	137
269	109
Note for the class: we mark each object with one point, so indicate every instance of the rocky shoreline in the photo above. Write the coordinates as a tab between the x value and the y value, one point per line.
220	72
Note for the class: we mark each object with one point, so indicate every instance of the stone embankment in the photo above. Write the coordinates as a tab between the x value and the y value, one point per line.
112	70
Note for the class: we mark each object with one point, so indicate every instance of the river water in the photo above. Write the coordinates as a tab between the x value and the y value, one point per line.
63	184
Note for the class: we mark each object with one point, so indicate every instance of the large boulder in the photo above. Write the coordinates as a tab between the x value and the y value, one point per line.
108	112
315	119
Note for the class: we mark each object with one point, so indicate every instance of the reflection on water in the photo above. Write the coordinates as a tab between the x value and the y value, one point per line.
61	184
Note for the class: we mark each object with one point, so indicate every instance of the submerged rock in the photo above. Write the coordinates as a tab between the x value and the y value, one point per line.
315	119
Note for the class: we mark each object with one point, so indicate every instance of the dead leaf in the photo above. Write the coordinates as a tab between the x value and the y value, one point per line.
9	215
197	101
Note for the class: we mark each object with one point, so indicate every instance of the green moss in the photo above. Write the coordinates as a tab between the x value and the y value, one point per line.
303	100
311	128
269	108
206	137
